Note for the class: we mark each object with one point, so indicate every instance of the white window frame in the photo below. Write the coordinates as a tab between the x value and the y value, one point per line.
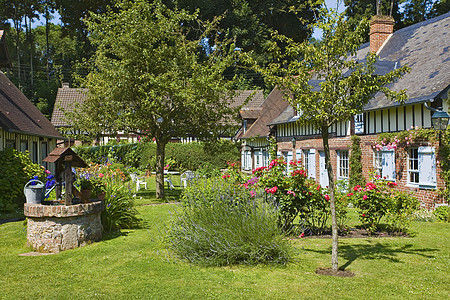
359	123
384	163
413	166
424	165
343	164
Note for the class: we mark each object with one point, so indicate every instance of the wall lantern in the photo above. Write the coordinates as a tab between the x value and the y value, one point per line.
440	119
294	142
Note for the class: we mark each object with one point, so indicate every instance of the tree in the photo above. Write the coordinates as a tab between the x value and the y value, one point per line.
148	78
345	85
250	23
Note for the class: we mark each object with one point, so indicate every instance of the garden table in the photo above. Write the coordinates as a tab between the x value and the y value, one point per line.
169	178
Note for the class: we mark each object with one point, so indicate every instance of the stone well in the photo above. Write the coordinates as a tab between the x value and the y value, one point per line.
55	228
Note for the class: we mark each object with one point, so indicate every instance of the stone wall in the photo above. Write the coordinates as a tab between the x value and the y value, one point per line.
58	228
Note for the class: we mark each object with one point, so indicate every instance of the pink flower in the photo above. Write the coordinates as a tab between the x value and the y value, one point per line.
252	193
166	167
327	197
291	193
47	171
272	190
363	215
365	197
349	194
302	235
101	175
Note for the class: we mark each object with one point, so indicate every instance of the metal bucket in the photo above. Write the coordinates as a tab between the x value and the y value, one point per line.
34	193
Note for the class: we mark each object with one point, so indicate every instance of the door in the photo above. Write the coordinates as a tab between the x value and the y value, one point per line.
323	171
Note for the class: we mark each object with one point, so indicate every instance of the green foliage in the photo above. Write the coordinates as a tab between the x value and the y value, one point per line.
120	212
295	196
401	211
356	175
205	156
17	170
378	199
226	225
442	213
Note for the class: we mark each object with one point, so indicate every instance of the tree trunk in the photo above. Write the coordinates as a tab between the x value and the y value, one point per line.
160	154
334	231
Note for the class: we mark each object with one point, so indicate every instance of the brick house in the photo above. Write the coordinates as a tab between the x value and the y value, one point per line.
66	97
22	125
424	48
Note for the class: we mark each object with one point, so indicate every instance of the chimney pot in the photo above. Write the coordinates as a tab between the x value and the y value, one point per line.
65	85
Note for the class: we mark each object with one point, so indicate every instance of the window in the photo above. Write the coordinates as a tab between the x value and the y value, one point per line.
258	158
35	152
23	146
342	164
384	163
245	125
44	153
306	160
359	123
422	167
309	162
413	166
10	144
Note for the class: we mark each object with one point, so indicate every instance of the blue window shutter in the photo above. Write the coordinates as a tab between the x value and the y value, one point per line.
388	164
278	154
312	163
243	160
427	166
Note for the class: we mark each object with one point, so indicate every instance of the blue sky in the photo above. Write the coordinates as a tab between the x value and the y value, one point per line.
336	4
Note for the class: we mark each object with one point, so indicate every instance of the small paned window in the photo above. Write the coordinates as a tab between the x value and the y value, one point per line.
413	166
343	164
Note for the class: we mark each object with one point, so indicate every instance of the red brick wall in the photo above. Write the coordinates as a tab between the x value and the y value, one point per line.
427	197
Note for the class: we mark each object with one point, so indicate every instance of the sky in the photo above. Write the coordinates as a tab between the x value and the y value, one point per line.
336	4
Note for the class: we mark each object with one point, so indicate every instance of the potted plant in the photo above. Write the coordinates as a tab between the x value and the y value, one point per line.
86	186
99	187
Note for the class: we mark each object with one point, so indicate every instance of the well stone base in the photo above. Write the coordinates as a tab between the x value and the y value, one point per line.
57	228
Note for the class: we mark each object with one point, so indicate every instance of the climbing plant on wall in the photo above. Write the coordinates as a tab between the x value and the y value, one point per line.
356	174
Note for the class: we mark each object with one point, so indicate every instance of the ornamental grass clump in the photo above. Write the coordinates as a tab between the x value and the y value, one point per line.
226	225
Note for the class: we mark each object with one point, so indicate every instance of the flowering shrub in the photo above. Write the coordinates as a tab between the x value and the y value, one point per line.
404	138
295	195
378	199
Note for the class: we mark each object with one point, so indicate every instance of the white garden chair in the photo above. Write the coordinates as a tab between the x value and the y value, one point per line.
139	181
186	177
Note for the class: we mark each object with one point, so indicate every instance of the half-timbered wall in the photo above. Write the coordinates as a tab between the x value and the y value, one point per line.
397	119
37	147
295	129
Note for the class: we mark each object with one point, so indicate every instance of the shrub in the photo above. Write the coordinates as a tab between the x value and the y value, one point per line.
401	211
378	199
356	175
295	196
441	213
17	170
180	156
226	225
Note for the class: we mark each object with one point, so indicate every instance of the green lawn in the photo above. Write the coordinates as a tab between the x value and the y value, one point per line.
134	264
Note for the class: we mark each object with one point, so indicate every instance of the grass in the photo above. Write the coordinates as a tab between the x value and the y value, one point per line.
134	264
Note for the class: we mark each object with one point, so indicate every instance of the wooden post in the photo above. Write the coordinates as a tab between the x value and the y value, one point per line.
58	179
68	177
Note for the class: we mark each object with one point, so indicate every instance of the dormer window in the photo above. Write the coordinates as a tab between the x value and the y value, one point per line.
359	124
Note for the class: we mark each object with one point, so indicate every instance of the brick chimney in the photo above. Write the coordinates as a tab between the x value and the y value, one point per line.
381	27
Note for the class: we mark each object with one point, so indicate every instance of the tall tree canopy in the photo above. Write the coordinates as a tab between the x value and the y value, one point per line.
319	84
251	22
149	78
